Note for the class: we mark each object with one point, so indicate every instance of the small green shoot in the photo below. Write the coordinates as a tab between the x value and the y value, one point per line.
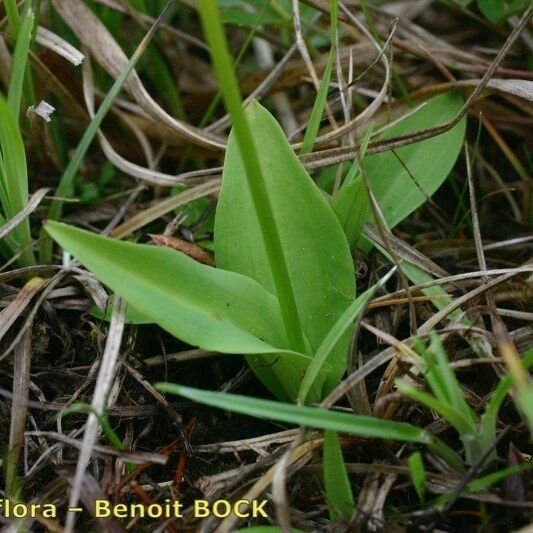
418	474
338	490
477	433
103	420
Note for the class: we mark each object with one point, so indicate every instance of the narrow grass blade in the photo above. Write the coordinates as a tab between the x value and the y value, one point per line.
66	183
16	82
14	182
256	180
483	483
338	490
334	335
81	407
321	98
456	418
418	474
455	394
13	17
364	426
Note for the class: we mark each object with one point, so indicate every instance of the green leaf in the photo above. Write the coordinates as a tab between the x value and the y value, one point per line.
20	58
315	249
203	306
365	426
525	402
461	421
13	16
14	182
489	419
483	483
338	490
132	315
318	107
103	420
238	17
321	98
13	163
453	388
332	338
352	207
457	419
210	308
429	162
418	474
418	276
492	10
266	529
253	173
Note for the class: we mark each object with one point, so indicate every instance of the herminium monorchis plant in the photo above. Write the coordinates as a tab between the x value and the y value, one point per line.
284	290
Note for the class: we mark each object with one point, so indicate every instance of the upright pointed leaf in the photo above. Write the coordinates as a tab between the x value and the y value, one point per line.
19	63
338	490
316	251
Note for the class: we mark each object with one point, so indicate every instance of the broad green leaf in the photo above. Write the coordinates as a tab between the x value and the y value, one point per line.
352	207
493	10
399	192
203	306
338	490
132	315
418	474
315	249
239	17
